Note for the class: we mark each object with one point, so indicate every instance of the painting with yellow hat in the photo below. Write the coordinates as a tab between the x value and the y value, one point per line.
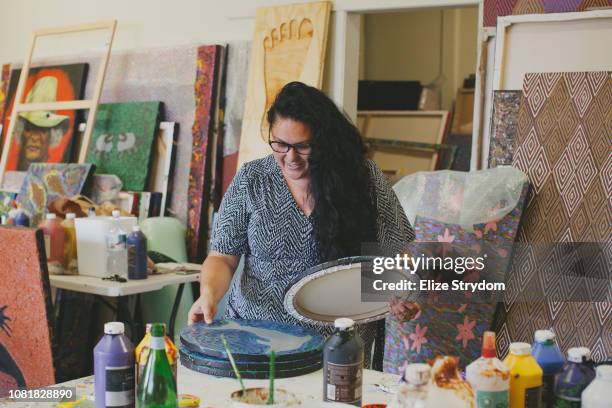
45	136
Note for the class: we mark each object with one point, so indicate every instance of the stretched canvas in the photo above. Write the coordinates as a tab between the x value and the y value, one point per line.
504	121
496	8
45	136
26	357
202	130
122	141
563	145
46	182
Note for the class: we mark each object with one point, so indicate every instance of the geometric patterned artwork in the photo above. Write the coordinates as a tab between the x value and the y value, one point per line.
46	182
5	71
44	136
564	145
205	89
503	127
496	8
26	357
122	141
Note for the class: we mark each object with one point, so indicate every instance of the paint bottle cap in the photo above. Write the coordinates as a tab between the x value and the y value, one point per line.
114	328
158	330
51	216
70	216
344	323
136	228
417	373
578	354
543	336
116	213
148	327
488	345
604	372
520	349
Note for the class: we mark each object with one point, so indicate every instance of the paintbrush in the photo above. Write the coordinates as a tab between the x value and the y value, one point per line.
272	369
233	363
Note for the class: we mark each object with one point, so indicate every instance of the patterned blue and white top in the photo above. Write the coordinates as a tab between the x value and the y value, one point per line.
259	218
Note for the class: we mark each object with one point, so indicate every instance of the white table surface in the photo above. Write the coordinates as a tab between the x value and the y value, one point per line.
97	286
214	392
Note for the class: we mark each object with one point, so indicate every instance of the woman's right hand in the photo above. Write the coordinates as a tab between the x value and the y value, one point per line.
203	309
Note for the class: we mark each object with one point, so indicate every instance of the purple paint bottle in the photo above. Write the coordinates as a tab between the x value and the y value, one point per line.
137	254
114	368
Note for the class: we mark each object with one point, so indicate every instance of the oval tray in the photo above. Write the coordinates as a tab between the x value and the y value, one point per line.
252	340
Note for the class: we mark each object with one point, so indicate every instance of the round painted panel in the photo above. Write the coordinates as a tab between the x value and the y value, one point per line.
252	340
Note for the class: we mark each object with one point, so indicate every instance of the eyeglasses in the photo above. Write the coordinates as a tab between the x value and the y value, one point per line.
303	148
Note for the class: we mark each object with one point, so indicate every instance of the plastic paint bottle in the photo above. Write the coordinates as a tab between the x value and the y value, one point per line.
525	377
116	248
137	254
551	360
447	389
489	377
70	245
343	364
21	219
413	393
143	348
597	394
574	378
114	368
54	243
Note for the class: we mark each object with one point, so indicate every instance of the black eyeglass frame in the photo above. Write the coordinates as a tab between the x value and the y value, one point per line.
289	146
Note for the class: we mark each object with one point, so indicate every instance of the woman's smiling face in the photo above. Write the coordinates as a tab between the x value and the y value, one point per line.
285	132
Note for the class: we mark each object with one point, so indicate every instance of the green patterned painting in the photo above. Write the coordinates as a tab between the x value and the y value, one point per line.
122	141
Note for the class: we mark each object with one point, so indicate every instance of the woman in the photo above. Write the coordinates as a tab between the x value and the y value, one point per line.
315	199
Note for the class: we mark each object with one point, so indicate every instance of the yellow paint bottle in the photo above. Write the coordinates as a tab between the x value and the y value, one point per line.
525	377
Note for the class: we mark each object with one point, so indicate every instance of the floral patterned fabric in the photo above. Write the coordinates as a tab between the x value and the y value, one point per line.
442	329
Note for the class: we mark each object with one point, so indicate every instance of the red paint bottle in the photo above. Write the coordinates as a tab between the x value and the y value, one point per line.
54	243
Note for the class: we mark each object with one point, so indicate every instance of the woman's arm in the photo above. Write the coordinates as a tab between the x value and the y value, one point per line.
215	279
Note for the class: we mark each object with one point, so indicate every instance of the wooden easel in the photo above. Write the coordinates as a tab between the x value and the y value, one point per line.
90	104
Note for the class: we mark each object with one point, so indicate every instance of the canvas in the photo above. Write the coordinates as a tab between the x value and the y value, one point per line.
46	182
199	172
563	145
496	8
45	137
26	356
6	200
122	141
5	71
504	121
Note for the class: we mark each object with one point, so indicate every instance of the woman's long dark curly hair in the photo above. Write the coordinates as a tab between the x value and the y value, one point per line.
344	211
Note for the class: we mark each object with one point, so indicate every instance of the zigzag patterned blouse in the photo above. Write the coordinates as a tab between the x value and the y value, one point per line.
259	218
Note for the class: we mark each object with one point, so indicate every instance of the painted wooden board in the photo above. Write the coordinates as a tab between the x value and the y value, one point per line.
496	8
26	313
289	44
5	71
410	126
224	363
504	126
252	339
162	162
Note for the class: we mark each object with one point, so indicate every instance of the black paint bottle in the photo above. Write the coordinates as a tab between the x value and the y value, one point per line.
343	364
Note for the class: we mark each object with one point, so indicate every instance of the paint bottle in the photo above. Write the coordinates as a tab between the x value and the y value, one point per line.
525	377
343	364
70	245
551	360
137	254
597	394
489	377
142	352
576	375
91	212
21	219
447	389
116	248
54	243
413	392
114	368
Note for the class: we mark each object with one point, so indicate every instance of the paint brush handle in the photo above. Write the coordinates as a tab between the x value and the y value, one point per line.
272	371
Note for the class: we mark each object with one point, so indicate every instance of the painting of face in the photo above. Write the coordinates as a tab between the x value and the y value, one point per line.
290	142
44	136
